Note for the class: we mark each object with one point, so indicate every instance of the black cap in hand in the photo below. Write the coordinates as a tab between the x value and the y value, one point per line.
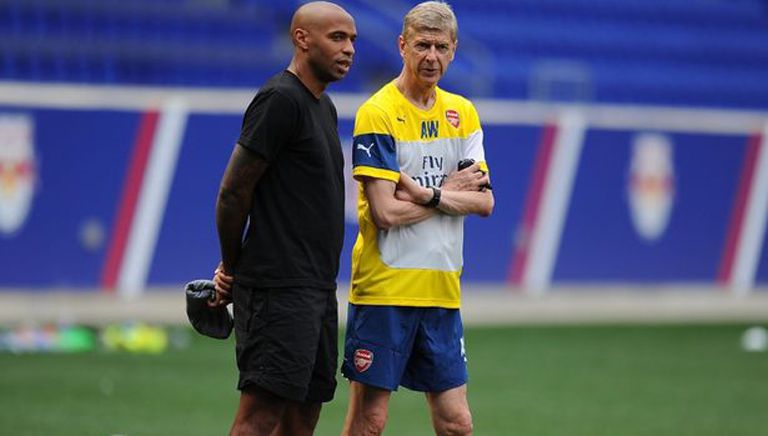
215	322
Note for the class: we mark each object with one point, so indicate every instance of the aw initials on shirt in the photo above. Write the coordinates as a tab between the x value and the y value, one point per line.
429	129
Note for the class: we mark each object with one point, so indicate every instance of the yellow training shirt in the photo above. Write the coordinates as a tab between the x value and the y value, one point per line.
417	264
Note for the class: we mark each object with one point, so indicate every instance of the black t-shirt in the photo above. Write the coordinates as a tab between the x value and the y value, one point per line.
296	227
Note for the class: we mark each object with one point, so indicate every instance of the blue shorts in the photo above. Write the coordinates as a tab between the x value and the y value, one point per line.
421	348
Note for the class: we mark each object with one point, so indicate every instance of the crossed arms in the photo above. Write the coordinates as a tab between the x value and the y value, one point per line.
393	205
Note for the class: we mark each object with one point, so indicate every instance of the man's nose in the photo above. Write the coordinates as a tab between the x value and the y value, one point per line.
432	53
349	48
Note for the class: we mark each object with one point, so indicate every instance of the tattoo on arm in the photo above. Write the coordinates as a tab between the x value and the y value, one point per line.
233	204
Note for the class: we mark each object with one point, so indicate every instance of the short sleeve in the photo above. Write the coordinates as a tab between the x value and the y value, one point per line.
270	121
374	153
474	142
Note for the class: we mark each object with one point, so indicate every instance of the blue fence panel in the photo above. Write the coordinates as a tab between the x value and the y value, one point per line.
599	241
81	160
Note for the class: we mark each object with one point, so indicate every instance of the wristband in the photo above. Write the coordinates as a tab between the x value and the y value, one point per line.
435	201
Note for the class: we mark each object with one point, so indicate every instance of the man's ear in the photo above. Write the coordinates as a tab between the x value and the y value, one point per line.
300	38
401	45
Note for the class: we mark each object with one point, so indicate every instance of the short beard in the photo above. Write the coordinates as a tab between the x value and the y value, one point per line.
322	74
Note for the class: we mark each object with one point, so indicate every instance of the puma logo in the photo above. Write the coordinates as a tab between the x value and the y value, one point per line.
365	149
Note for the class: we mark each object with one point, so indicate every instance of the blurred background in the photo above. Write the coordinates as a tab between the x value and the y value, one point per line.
628	146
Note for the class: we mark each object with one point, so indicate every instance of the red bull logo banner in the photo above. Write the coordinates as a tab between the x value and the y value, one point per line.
651	187
18	171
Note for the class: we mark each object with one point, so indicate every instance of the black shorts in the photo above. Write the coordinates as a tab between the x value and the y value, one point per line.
287	341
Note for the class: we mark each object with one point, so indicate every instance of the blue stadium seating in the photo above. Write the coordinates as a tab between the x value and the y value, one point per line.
673	52
679	52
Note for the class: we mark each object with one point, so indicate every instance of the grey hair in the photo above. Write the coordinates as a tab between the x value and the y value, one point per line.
431	16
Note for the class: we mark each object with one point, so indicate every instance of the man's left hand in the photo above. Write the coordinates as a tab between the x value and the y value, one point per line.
471	178
223	282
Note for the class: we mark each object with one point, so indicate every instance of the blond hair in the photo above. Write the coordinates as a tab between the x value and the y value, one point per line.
431	16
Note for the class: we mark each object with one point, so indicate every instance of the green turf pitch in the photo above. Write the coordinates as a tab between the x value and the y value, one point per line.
660	380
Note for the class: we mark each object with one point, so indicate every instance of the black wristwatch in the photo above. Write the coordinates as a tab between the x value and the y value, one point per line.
435	198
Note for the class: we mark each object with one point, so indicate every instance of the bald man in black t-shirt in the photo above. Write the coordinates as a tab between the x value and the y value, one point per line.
286	176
